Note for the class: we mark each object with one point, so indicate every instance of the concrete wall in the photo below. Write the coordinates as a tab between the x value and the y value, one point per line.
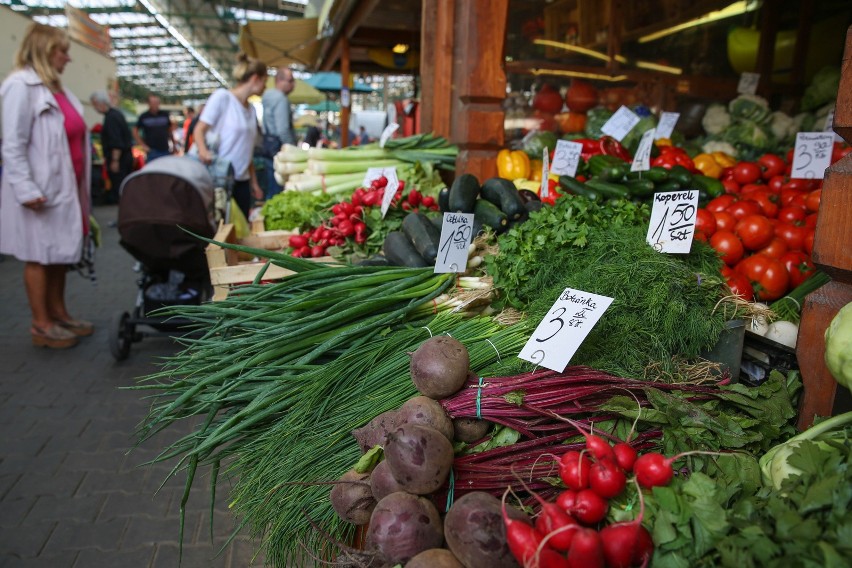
88	70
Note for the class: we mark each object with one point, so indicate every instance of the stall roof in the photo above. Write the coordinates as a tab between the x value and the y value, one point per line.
290	42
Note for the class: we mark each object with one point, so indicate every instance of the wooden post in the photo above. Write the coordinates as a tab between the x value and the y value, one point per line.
832	254
479	80
344	84
766	47
436	65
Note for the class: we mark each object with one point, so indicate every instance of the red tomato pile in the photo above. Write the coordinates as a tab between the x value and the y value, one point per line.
347	224
763	226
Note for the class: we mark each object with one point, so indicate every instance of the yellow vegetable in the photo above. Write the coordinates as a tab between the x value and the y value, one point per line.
659	142
535	170
707	165
724	160
513	164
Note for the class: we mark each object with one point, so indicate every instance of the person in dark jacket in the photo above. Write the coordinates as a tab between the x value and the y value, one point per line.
117	142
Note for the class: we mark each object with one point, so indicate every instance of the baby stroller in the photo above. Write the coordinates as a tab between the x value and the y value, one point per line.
157	203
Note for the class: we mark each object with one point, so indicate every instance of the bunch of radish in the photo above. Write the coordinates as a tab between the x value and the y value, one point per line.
569	533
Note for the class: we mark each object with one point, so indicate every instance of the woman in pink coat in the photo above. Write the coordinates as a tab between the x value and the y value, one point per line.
44	194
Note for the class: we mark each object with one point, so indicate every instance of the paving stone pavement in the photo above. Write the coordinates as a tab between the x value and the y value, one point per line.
70	493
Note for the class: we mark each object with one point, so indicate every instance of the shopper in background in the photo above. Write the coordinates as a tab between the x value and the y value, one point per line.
363	137
44	194
277	123
117	142
156	130
228	126
191	128
187	133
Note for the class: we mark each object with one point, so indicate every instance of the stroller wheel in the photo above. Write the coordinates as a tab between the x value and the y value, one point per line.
121	335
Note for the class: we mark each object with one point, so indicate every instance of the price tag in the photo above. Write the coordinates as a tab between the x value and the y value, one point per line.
642	159
748	83
564	329
668	120
812	154
390	188
566	158
545	172
456	235
673	221
620	123
387	133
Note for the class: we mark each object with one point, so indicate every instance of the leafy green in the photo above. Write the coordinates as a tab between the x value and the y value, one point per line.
595	119
291	210
823	88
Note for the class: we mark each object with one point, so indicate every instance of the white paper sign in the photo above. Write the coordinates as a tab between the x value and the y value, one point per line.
545	172
566	158
620	123
642	159
748	83
456	236
673	221
564	329
812	154
390	188
668	120
387	133
344	97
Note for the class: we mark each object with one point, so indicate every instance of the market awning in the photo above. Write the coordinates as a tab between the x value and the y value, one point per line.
291	42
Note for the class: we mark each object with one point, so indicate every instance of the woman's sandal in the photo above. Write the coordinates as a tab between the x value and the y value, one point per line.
54	337
80	328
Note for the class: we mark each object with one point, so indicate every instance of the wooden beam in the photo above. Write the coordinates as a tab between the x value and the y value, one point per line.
803	37
769	14
436	65
359	14
344	84
613	38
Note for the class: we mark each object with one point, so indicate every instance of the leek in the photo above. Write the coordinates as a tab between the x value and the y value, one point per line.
343	167
333	155
316	183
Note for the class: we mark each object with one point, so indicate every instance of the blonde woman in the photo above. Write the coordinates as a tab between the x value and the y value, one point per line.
44	196
231	120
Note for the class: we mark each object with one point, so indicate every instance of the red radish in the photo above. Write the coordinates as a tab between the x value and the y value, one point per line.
655	470
523	540
586	550
554	523
414	197
627	544
625	455
550	559
566	500
428	201
596	445
589	507
574	470
607	479
297	241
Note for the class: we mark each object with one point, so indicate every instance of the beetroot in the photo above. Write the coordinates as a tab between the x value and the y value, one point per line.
439	367
382	482
425	411
352	498
475	532
376	431
470	430
404	525
419	458
435	558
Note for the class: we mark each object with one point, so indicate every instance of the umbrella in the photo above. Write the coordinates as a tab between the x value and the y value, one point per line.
302	93
325	106
329	81
306	120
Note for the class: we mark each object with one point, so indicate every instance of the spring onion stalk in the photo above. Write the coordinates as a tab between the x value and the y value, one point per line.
355	153
290	153
349	166
291	167
789	308
314	182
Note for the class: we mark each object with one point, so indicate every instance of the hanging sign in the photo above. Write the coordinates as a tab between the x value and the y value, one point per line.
545	173
456	236
620	123
564	329
566	158
668	120
387	133
748	83
673	221
812	154
642	159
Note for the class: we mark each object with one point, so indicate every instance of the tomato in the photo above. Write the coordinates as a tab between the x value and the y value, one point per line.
793	235
767	202
768	276
724	221
699	236
721	203
771	165
811	221
705	222
776	184
740	285
799	267
776	248
742	209
746	172
751	187
813	199
840	150
800	200
792	214
809	242
796	183
728	245
730	185
754	231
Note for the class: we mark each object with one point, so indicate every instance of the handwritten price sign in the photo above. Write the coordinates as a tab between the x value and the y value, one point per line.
748	83
668	120
620	123
566	158
390	188
456	235
642	159
673	221
387	133
564	329
812	154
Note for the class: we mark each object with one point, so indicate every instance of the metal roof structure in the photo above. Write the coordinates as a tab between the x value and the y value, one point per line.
176	48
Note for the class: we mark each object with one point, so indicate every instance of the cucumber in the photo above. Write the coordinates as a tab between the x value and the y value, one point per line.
571	185
423	235
670	185
712	186
444	199
503	193
375	260
438	221
640	187
608	168
656	174
490	215
681	175
463	194
400	252
608	190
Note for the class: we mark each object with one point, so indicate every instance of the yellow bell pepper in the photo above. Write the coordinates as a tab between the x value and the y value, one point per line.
535	170
663	142
513	164
724	160
707	165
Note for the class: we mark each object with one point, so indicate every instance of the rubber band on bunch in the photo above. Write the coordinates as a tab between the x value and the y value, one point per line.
451	490
479	400
794	300
429	330
499	359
